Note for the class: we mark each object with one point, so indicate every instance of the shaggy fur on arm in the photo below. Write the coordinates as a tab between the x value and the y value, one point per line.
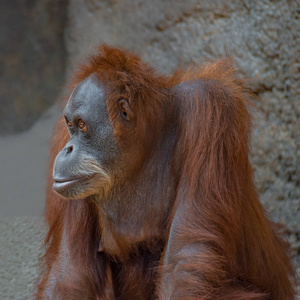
189	222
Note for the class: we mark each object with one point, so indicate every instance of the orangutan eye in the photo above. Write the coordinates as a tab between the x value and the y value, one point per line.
82	125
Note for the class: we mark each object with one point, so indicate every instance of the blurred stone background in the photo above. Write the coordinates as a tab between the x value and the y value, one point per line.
42	42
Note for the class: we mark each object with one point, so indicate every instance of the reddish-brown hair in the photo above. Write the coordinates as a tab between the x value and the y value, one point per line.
217	242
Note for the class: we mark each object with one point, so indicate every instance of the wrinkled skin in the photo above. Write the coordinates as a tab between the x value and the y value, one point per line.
82	167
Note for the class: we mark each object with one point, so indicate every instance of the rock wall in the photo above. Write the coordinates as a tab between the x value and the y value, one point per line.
20	245
32	60
263	37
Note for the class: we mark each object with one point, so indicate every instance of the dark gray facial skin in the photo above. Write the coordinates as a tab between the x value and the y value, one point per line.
82	168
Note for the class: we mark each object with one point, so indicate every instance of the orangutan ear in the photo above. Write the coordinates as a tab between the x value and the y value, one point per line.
125	110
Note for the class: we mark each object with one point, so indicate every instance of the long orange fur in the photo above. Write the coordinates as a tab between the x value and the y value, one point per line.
216	242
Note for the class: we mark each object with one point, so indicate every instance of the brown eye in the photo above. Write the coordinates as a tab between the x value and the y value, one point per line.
82	125
70	124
